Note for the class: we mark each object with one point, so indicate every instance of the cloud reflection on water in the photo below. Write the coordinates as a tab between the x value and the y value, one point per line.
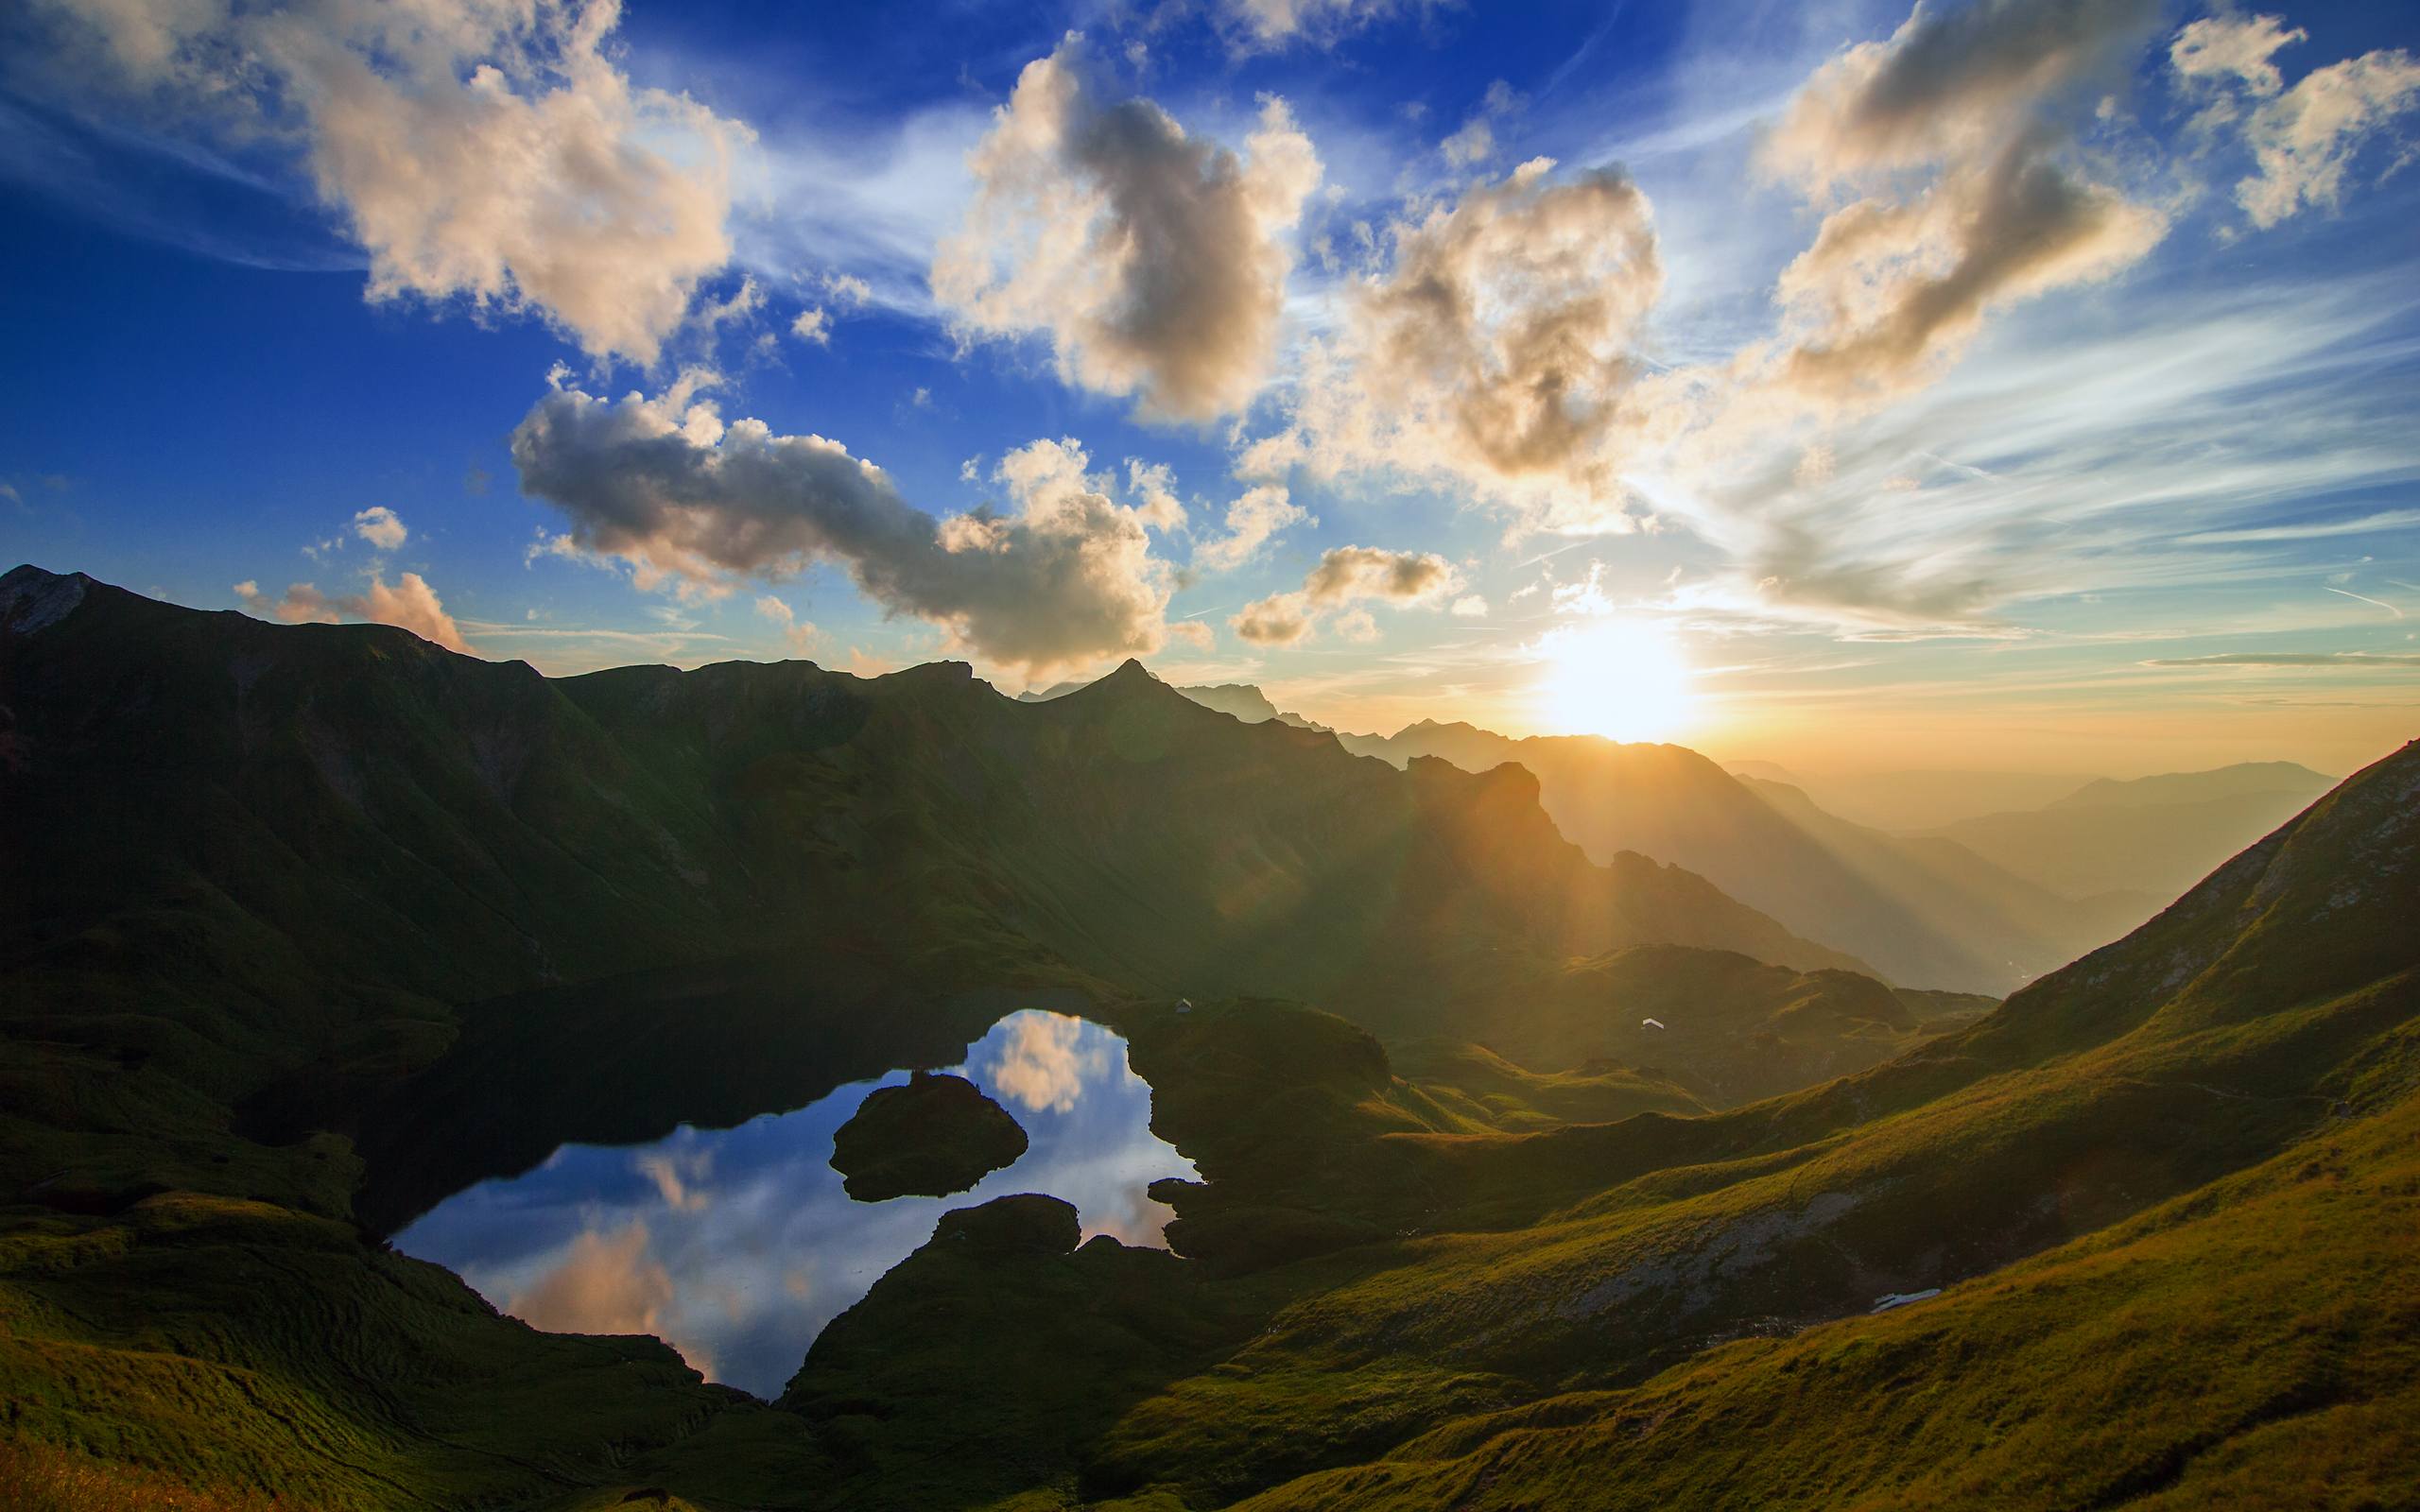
738	1246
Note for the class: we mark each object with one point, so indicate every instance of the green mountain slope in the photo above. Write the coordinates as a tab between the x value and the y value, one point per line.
2168	1191
2135	1181
257	856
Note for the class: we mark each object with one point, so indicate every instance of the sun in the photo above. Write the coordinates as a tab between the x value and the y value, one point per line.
1619	678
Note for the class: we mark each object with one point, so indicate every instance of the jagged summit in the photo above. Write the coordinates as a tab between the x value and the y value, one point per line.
32	599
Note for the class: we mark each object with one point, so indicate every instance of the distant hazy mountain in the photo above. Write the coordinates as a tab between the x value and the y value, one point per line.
1241	700
1908	802
1927	913
2242	780
2151	837
1246	703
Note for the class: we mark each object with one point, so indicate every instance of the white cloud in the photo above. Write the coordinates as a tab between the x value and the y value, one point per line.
1972	106
1494	350
813	326
1257	514
478	150
380	526
2302	140
410	604
1065	578
1154	260
1346	576
1470	607
1153	485
796	633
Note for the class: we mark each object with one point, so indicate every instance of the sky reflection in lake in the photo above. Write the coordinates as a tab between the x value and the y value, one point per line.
738	1246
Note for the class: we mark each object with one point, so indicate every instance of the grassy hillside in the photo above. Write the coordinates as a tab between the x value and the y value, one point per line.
2135	1182
2168	1191
1728	1028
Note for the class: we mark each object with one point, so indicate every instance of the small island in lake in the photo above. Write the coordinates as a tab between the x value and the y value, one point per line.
935	1136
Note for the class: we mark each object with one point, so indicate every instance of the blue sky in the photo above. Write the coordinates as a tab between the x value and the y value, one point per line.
2016	383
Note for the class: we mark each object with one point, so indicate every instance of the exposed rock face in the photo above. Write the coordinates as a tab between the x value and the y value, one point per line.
937	1135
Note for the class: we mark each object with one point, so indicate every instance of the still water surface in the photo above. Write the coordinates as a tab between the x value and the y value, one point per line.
737	1245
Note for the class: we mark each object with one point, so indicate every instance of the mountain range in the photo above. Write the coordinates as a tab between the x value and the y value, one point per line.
304	926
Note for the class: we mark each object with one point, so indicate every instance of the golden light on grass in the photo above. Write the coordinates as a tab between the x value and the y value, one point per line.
1624	680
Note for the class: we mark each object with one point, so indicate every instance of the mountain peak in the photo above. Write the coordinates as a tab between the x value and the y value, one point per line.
32	599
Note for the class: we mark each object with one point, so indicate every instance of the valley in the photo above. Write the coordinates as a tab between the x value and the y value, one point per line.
1451	1164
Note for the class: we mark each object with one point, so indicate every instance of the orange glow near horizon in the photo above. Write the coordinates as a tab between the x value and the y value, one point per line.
1620	678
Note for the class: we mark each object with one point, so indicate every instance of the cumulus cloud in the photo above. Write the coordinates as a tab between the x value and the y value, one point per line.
1470	607
410	604
1153	486
1280	619
475	150
1257	514
1975	103
2302	140
1064	576
796	633
381	527
2234	46
1494	350
1346	576
813	326
1154	260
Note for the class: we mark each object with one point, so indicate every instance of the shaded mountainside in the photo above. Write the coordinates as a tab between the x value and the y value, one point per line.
1925	913
2169	1192
2153	837
255	856
308	926
1727	1028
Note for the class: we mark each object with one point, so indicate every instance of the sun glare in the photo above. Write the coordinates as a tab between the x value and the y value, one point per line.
1619	678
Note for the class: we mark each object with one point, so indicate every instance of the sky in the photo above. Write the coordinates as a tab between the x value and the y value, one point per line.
2009	385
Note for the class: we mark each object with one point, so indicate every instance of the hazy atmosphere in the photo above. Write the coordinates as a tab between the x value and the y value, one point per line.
1209	756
